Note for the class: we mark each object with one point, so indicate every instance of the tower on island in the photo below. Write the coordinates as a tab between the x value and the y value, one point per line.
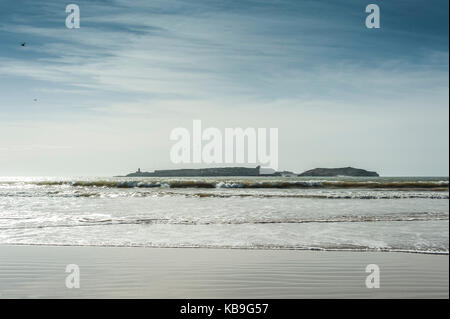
138	171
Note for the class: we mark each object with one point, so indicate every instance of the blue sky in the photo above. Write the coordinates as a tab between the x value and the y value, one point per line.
108	94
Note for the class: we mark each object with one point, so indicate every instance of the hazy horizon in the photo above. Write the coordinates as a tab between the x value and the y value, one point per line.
122	173
102	100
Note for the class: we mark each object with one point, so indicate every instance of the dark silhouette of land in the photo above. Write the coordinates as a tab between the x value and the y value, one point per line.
217	171
245	171
344	171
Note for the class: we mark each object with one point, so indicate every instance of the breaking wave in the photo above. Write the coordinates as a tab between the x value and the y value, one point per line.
431	185
137	194
85	221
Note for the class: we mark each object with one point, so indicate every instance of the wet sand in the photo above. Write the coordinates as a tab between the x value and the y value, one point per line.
110	272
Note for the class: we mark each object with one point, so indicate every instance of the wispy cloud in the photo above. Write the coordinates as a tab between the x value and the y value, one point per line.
202	50
172	61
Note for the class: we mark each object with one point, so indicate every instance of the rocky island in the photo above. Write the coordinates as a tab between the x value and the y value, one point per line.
201	172
344	171
246	171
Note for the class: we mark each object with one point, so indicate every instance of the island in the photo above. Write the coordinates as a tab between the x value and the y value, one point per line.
205	172
344	171
250	171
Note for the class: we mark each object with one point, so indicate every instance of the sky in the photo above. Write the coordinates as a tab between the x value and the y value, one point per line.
104	98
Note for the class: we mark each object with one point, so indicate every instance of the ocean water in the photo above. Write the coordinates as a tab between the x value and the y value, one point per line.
358	214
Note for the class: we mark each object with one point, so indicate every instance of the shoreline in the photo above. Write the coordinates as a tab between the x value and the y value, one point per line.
355	250
37	271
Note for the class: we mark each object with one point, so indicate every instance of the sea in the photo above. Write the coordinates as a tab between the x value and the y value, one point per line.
384	214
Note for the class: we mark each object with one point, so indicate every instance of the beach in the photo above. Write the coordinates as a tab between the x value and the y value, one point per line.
137	272
246	237
223	150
